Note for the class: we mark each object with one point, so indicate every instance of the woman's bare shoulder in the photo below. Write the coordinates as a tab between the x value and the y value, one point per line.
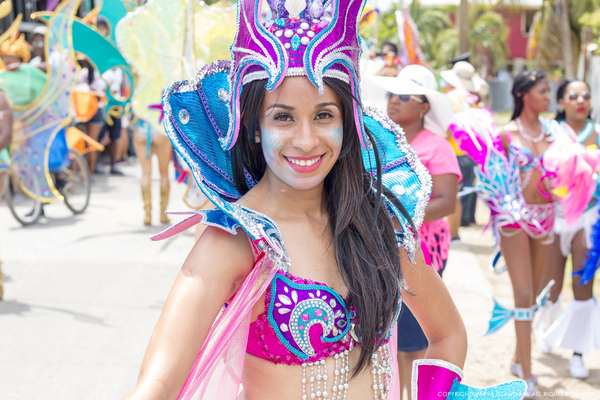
511	127
219	250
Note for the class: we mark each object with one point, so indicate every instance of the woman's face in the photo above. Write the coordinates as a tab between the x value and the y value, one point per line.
538	97
405	109
301	132
576	101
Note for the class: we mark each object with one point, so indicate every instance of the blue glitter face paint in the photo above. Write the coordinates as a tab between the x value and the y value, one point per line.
272	143
336	135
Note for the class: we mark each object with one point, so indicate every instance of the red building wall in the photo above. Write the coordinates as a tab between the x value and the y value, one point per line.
517	41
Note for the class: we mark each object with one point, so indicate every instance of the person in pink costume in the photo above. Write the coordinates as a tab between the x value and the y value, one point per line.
578	327
423	113
525	245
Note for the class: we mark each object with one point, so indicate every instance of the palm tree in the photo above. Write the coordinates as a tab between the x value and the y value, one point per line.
431	22
463	25
556	31
487	42
488	39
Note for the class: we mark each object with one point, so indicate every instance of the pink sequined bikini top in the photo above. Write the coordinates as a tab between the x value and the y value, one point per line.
304	321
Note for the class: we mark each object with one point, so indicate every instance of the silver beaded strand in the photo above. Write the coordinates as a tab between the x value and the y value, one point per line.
381	370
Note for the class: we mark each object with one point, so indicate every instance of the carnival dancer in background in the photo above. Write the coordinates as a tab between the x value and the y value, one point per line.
148	141
525	245
6	121
578	328
38	40
88	94
274	140
466	89
423	113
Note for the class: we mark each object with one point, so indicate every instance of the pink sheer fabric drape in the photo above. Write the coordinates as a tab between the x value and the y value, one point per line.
217	372
395	389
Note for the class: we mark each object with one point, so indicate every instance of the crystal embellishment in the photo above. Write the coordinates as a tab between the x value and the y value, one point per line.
295	42
223	95
184	116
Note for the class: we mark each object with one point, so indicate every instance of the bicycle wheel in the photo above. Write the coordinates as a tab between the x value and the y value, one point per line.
25	209
76	189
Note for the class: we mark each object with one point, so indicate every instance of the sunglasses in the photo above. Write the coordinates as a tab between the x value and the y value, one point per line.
575	96
405	98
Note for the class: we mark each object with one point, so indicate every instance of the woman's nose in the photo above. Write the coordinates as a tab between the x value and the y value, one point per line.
306	137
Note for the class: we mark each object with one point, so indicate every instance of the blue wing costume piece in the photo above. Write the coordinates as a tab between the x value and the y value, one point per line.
592	262
504	391
37	124
501	315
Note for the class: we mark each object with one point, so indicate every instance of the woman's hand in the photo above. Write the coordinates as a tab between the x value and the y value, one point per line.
435	311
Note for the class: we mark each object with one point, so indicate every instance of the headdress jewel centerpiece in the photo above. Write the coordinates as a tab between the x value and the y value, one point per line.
312	38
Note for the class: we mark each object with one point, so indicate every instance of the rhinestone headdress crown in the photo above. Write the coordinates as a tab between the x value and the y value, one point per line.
316	39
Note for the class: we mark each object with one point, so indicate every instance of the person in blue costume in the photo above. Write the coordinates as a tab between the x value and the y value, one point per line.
278	141
577	327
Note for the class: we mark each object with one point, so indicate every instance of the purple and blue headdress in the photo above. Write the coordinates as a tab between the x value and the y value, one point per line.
316	39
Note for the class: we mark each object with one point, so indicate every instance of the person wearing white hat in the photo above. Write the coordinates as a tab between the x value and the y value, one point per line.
463	82
463	76
424	114
38	39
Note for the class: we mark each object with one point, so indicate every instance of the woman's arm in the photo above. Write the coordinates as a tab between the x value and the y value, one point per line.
213	271
443	201
435	311
506	137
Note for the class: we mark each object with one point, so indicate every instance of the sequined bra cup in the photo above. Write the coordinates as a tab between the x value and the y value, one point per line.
523	157
304	321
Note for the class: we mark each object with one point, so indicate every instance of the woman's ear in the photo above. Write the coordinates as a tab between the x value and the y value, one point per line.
425	108
561	104
257	134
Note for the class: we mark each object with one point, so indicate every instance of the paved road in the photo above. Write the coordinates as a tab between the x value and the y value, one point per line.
82	295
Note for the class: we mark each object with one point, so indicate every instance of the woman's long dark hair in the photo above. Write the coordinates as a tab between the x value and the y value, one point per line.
560	93
363	235
521	85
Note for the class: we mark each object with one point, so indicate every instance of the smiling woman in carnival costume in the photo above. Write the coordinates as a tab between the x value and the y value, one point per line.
274	141
578	327
525	243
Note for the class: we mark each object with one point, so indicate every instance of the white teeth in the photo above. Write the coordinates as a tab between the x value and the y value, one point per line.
304	163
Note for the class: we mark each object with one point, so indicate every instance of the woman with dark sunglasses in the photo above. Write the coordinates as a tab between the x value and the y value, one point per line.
578	327
423	113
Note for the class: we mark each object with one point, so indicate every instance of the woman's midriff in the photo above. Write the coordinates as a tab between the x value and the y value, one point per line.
264	380
532	193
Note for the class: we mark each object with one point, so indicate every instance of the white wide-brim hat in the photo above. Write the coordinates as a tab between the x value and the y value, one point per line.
412	80
463	76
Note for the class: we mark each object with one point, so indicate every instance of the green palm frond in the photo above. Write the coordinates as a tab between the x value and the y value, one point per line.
547	36
446	46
